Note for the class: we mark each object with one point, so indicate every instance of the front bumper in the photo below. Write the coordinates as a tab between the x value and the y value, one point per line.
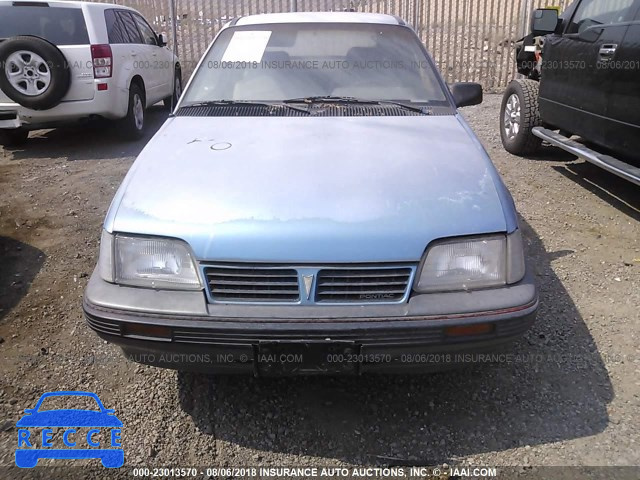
180	330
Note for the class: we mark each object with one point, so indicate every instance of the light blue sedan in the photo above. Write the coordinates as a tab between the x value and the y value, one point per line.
314	204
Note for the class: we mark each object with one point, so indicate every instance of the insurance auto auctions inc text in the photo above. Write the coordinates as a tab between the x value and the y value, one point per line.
355	472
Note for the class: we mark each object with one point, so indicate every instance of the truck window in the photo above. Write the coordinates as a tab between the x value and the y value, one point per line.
599	12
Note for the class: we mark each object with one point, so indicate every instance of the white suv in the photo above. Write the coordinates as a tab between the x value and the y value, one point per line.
61	62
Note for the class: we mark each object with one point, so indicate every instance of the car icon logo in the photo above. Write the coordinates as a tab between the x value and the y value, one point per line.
86	433
308	282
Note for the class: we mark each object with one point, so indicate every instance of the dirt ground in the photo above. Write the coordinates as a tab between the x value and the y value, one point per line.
572	399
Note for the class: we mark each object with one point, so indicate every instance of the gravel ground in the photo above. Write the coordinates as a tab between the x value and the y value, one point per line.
572	398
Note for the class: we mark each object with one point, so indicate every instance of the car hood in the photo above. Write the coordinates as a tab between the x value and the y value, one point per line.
322	189
69	418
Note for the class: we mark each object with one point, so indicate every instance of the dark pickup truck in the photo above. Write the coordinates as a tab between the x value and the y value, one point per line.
582	80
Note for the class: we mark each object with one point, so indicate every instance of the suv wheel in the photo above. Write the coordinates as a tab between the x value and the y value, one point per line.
33	73
13	137
518	115
171	101
133	123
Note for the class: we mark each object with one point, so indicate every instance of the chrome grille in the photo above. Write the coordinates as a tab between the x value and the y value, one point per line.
252	284
362	285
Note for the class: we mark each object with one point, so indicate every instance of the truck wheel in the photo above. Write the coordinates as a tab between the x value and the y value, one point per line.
133	123
14	137
518	115
34	72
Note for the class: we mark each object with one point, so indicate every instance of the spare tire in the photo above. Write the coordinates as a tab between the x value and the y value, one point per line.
34	72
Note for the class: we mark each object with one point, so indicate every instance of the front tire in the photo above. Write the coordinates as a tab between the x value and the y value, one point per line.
519	114
14	137
133	124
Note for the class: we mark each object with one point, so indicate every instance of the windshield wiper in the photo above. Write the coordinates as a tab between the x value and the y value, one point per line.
413	108
214	103
358	101
329	99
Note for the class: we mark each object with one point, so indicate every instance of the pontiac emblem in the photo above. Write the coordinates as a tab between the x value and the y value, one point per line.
308	282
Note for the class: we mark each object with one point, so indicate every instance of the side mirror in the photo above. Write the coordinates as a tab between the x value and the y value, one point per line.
162	39
544	21
466	93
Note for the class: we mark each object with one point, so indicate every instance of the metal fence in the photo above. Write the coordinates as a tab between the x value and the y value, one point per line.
470	40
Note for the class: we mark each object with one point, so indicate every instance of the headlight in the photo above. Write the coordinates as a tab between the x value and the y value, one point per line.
148	262
472	263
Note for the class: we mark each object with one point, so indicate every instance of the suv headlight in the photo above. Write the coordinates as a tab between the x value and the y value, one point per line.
147	262
472	263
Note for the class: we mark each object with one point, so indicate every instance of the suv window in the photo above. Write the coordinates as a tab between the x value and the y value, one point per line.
599	12
115	29
121	27
148	35
60	26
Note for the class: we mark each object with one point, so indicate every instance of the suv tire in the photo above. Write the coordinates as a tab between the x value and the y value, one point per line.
13	137
133	123
42	72
519	114
170	102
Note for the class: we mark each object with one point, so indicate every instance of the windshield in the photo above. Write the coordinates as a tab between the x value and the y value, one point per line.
293	61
